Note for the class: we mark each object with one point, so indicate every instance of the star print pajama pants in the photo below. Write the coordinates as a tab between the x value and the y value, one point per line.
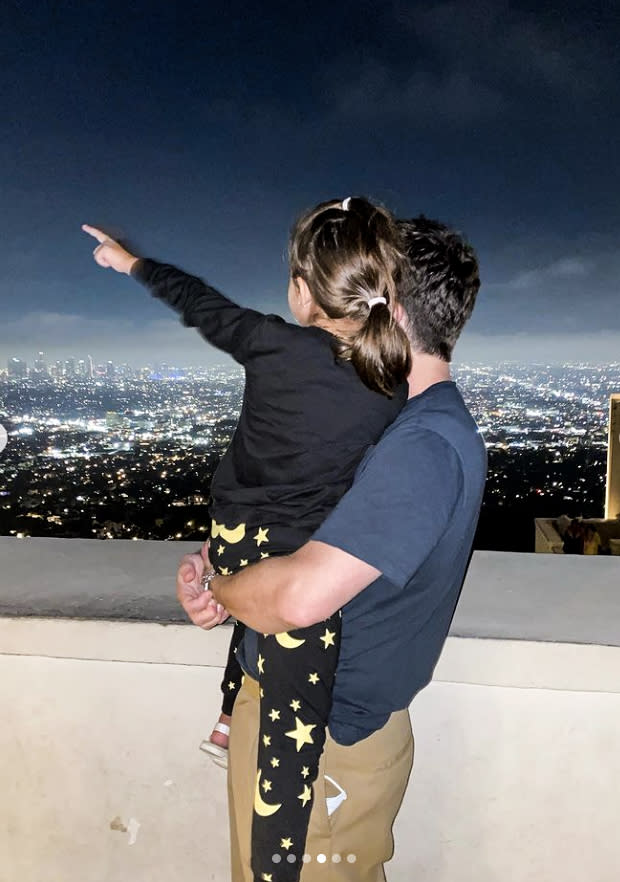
296	676
233	551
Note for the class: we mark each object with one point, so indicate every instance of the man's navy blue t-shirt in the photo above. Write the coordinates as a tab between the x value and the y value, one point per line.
411	513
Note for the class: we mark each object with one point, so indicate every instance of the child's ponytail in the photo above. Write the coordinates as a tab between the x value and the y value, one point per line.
349	255
379	351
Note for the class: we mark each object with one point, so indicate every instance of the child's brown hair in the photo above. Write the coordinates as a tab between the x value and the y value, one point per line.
349	254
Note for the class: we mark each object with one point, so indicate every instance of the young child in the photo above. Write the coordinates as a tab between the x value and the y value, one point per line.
316	396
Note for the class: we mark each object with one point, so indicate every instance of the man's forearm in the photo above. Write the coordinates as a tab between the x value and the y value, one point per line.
301	589
258	595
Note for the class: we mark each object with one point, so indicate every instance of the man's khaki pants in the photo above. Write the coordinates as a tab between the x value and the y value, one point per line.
351	844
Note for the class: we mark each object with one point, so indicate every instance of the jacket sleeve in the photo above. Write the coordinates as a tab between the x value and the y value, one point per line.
220	321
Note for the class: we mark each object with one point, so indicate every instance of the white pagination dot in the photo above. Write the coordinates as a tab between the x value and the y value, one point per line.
351	858
321	858
336	859
306	859
291	858
276	858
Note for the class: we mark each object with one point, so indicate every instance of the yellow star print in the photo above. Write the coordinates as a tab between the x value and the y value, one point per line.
305	795
274	715
224	571
266	786
266	740
261	536
286	843
305	772
220	549
301	733
275	762
295	704
260	664
266	877
328	638
231	685
262	694
264	554
243	563
313	678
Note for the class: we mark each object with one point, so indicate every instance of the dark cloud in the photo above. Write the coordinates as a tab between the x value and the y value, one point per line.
200	135
506	43
421	98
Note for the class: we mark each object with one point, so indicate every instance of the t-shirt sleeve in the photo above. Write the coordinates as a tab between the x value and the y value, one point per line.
220	321
399	506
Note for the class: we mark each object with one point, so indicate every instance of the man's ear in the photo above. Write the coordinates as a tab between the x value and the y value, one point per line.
302	291
398	311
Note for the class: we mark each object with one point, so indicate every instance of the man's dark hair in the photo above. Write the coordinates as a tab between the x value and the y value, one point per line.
439	290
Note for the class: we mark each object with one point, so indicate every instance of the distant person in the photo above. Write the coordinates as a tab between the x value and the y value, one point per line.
591	540
573	538
393	554
316	397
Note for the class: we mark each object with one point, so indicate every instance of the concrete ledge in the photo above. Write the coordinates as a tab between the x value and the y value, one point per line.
142	642
489	662
91	578
507	596
541	597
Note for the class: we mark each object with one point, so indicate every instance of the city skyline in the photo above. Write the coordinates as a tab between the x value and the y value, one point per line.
190	358
145	450
507	399
497	117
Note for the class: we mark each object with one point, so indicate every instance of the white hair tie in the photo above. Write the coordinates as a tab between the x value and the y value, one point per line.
345	203
372	301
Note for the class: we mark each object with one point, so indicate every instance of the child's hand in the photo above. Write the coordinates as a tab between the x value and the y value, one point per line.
109	253
200	605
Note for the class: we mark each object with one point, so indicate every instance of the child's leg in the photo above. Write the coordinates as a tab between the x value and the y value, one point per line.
296	678
231	683
217	743
228	556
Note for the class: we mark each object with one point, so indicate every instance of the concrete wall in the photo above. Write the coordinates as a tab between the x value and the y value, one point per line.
517	751
547	540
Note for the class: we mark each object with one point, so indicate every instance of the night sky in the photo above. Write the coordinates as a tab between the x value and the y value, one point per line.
199	131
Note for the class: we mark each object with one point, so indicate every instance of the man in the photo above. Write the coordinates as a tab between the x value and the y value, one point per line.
393	555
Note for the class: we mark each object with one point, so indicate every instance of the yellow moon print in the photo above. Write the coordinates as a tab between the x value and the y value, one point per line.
261	807
288	642
236	534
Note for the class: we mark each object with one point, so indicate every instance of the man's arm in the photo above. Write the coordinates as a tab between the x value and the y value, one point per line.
386	524
284	593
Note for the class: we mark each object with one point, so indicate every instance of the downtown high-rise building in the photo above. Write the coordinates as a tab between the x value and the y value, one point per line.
40	366
17	368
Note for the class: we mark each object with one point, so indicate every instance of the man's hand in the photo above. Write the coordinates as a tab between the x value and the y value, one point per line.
109	253
200	605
